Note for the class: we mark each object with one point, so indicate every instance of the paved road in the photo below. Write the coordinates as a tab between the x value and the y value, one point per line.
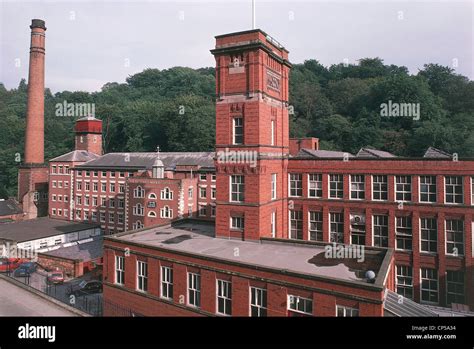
15	301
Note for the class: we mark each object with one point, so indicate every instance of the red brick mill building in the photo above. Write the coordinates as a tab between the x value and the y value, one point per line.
421	209
250	222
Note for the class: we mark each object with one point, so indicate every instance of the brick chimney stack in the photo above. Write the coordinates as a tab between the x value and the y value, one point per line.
33	172
34	136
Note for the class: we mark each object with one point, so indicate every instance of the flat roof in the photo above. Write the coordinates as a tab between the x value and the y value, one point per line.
306	258
39	228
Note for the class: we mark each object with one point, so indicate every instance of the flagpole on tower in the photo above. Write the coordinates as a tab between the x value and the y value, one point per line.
253	15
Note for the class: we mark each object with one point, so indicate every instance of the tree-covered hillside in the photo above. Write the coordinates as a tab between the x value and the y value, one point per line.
340	104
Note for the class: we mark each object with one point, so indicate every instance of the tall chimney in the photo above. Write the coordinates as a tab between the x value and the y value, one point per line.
33	172
34	136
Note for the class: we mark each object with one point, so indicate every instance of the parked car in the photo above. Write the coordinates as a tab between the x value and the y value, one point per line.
9	264
25	269
85	287
55	277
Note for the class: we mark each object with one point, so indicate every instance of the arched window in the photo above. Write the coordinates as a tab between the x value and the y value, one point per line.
138	210
152	214
166	212
138	192
137	225
152	196
166	194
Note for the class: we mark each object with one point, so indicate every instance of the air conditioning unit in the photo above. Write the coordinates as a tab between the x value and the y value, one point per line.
358	219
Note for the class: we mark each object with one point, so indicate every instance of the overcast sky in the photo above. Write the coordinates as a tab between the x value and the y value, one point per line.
90	43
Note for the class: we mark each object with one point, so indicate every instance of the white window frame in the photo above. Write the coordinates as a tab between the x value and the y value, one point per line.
202	190
294	302
379	189
346	311
273	224
272	130
360	182
237	222
166	194
273	191
339	187
454	194
119	270
455	243
261	301
239	185
138	192
296	224
234	128
166	282
428	240
404	273
315	220
315	185
429	191
224	293
402	234
166	212
334	234
404	192
142	276
295	185
194	287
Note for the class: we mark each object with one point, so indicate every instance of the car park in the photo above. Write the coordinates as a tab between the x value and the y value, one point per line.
25	269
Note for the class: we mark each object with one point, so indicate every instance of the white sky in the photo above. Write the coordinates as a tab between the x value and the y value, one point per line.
89	42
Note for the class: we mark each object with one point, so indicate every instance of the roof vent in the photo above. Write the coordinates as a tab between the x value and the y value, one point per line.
370	276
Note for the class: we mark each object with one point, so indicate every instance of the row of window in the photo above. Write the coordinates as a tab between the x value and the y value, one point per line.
60	184
103	186
203	177
60	169
88	201
95	216
257	295
454	192
60	212
203	193
428	231
87	173
429	285
203	210
60	198
165	194
165	212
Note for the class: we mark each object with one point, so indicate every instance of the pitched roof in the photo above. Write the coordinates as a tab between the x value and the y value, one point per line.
323	153
146	160
432	152
369	152
9	207
404	307
76	156
86	250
